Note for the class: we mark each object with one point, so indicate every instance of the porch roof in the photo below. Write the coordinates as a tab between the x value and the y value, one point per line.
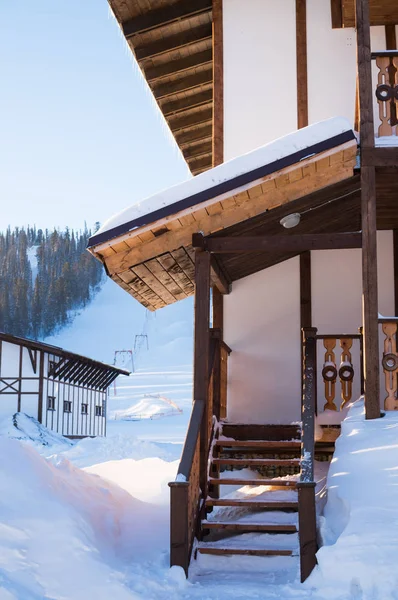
147	248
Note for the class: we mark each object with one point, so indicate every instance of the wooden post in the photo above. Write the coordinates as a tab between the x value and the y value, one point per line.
307	528
301	63
179	542
201	352
368	211
218	84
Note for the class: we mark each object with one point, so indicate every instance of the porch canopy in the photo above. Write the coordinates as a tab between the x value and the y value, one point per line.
147	248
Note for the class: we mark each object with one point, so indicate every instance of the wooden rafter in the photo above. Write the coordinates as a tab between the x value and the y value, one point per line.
173	42
177	66
187	103
180	123
190	82
159	17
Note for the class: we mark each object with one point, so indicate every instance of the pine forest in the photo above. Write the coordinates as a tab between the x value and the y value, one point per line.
44	278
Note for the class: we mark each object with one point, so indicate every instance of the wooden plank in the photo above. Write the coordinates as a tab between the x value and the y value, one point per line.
218	83
179	542
152	19
278	243
395	250
379	157
202	115
192	135
218	310
337	14
184	262
164	89
382	12
305	290
307	529
272	444
391	37
301	63
258	504
261	432
188	102
219	278
165	279
186	63
274	483
258	462
203	148
153	283
173	42
368	216
175	271
242	551
242	526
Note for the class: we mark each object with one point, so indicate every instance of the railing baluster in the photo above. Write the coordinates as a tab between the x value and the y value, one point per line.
329	374
390	364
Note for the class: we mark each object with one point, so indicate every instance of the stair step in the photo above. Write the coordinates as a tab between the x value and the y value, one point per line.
257	444
275	483
244	431
243	551
259	504
249	527
258	462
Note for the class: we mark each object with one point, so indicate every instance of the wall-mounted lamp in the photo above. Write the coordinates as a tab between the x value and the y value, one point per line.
290	220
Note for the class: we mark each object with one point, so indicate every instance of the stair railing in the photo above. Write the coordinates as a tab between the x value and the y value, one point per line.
389	361
189	490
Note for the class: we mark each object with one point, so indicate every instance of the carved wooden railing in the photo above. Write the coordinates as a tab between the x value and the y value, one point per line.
390	362
189	490
387	91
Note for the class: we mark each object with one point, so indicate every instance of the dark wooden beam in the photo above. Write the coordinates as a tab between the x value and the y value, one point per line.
278	243
218	311
197	165
379	157
219	279
395	246
199	117
173	42
391	37
162	90
159	17
305	290
177	66
201	149
194	135
218	83
337	14
201	350
368	214
188	102
301	63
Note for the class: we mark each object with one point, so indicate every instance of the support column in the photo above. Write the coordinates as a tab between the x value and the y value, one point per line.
201	351
368	213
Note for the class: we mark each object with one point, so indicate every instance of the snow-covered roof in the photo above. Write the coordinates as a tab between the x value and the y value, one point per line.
239	171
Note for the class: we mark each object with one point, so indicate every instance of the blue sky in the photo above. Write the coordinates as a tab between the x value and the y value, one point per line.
80	134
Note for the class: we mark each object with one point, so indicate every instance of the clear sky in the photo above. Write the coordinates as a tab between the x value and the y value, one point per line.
80	135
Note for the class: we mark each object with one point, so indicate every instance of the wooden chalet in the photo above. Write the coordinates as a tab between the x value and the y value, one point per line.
64	391
289	244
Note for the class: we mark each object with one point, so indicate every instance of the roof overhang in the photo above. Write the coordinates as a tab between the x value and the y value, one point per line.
148	250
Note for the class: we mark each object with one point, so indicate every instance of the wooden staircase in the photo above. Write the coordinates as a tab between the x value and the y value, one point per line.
251	506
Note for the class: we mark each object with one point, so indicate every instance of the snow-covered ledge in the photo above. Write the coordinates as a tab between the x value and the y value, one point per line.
359	529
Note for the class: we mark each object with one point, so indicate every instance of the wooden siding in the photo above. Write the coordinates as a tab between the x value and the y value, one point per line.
155	263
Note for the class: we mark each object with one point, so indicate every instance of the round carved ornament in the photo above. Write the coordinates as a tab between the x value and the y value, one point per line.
346	373
329	372
390	362
385	92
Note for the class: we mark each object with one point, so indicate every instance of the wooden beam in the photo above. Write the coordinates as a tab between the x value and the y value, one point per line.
219	278
197	165
368	213
301	63
218	310
391	37
194	135
337	14
162	90
201	350
278	243
177	66
218	83
188	102
159	17
305	290
199	117
173	42
201	149
395	250
379	157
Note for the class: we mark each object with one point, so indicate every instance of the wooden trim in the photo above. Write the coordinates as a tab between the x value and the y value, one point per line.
179	543
301	63
41	385
218	311
305	290
337	14
379	157
20	378
218	83
395	251
278	243
368	213
173	42
391	37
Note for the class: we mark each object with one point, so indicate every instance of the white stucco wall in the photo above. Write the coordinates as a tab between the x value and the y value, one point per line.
262	326
260	89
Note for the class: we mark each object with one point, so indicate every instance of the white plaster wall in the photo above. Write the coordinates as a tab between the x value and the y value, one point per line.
262	326
260	93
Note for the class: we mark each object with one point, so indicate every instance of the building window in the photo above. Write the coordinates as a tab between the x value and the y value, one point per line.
67	406
84	409
98	411
50	402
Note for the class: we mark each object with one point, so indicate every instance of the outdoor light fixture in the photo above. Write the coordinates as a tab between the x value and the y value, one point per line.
290	220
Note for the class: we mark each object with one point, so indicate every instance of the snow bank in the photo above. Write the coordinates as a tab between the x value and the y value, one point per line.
360	523
65	533
275	150
28	429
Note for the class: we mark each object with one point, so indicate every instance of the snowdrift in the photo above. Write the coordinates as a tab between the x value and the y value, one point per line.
151	406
